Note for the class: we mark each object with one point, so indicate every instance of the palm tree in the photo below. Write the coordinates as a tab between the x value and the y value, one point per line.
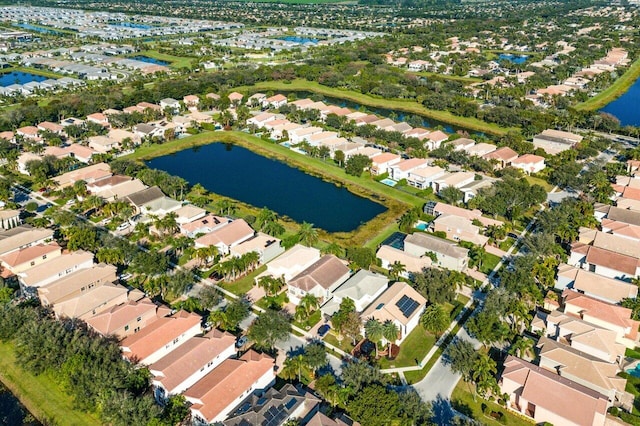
390	333
294	367
308	235
521	347
251	260
309	303
476	256
374	331
396	269
226	206
270	284
484	370
435	319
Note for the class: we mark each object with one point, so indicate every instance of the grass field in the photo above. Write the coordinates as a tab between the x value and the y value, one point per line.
40	394
617	89
412	350
403	105
397	202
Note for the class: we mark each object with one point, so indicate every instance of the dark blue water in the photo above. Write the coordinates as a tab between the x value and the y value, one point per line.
238	173
625	108
38	29
15	77
130	25
297	39
516	59
12	413
150	60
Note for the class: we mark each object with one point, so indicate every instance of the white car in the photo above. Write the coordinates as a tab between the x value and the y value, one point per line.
122	226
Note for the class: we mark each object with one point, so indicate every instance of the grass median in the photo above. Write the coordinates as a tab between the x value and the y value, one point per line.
41	395
617	89
404	105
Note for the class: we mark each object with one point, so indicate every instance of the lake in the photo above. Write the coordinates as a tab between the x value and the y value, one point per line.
516	59
150	60
241	174
625	108
12	412
16	77
130	25
38	29
298	39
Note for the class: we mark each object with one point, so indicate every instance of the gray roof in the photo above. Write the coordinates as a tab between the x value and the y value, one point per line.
360	284
624	215
145	196
437	245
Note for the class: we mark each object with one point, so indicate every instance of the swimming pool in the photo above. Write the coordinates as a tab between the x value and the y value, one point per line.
286	144
421	226
388	182
635	372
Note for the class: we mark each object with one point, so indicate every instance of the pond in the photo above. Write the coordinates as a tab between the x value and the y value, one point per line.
516	59
38	29
16	77
625	108
130	25
298	39
243	175
383	112
12	412
149	60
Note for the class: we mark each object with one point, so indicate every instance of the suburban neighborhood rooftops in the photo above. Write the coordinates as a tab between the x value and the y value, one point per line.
19	257
438	245
325	272
145	196
107	322
400	302
228	234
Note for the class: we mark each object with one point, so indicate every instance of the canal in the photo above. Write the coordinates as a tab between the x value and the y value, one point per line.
241	174
12	413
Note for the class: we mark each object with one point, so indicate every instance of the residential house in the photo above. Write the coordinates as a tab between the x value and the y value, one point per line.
28	257
9	219
425	177
204	225
189	213
456	180
276	407
161	207
47	126
412	264
402	169
56	268
480	149
556	141
160	337
609	260
434	139
292	262
98	118
181	368
170	104
362	287
319	279
401	304
91	302
302	134
600	287
260	119
462	144
458	228
116	189
103	144
502	157
29	132
275	101
80	152
256	99
267	247
235	98
226	237
448	254
122	136
602	314
24	159
21	237
142	198
547	397
76	283
128	318
218	393
583	369
529	163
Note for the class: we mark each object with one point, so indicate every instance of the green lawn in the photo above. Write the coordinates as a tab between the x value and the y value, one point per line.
345	344
313	319
404	105
374	242
414	347
266	301
462	400
244	284
617	89
506	244
489	262
40	394
537	181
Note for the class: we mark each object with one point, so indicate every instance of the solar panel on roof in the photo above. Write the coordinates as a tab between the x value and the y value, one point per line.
407	305
290	403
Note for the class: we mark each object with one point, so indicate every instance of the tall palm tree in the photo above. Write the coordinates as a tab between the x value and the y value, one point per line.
521	347
390	333
396	269
309	303
294	367
435	319
308	235
484	370
270	284
374	331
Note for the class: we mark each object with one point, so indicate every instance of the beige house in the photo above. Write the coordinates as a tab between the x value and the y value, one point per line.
177	371
56	268
227	236
103	144
21	237
21	260
459	229
292	262
600	287
529	163
412	264
448	254
9	219
547	397
401	304
319	279
88	174
266	246
555	141
92	302
76	283
128	318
